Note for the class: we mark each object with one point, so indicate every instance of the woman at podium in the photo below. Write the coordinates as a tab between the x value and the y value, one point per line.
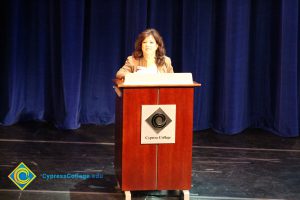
148	57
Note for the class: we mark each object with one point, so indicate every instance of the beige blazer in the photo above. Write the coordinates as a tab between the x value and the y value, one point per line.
131	64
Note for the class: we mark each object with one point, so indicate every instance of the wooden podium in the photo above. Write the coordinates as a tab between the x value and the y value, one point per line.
153	166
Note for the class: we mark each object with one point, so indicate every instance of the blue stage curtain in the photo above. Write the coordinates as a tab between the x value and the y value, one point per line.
58	59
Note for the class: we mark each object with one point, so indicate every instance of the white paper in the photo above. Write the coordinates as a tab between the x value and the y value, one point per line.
158	79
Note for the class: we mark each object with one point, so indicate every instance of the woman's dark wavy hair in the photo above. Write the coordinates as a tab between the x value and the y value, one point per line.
160	52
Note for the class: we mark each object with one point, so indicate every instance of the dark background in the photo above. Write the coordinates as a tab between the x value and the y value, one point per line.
58	59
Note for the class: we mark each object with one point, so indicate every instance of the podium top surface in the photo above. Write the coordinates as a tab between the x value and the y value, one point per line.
157	80
120	83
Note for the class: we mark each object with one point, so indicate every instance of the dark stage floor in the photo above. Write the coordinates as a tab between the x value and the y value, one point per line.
252	165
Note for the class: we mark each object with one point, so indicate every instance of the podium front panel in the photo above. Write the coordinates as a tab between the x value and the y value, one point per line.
153	166
175	160
139	161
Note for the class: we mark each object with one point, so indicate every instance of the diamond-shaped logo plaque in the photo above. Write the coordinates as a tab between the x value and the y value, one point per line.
158	124
158	120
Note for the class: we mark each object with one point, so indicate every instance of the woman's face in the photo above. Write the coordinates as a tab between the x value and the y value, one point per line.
149	45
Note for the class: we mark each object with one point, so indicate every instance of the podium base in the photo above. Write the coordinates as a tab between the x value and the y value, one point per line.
186	195
127	195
